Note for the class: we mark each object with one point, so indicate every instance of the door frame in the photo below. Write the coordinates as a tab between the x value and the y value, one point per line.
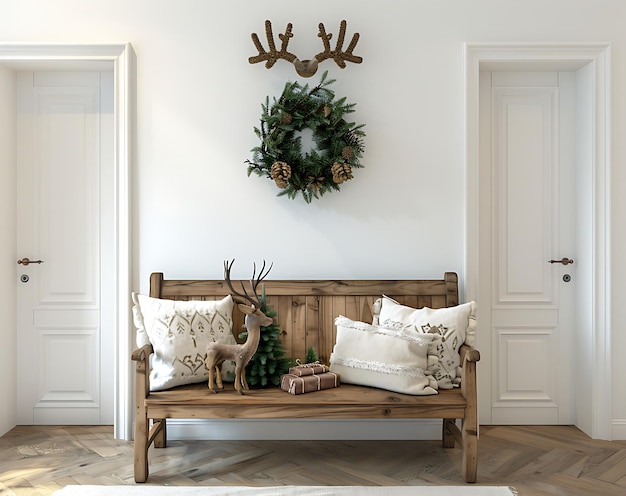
566	56
123	59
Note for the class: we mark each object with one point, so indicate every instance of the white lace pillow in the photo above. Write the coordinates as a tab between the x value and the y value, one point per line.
453	326
375	356
179	332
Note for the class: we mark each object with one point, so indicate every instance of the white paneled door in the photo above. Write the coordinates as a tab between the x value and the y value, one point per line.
65	338
527	212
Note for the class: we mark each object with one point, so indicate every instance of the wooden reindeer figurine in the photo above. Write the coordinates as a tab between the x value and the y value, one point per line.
241	354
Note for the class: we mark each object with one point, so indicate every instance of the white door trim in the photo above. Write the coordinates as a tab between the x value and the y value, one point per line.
122	57
567	56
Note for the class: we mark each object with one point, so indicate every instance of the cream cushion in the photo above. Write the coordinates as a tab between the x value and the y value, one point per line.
179	332
452	326
385	358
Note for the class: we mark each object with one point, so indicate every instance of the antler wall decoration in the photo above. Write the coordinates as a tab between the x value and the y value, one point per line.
305	68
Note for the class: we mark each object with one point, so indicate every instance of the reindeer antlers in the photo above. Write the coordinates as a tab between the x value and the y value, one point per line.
272	56
254	283
338	55
305	68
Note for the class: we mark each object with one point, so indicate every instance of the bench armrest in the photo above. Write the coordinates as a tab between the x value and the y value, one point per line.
469	357
142	355
469	430
470	353
142	371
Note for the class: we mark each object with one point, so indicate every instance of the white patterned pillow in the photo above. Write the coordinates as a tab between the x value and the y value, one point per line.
179	332
452	326
375	356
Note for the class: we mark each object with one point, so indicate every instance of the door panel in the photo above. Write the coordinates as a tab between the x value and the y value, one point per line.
67	168
59	221
525	151
527	157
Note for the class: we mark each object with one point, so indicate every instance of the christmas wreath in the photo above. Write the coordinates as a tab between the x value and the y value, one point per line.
339	143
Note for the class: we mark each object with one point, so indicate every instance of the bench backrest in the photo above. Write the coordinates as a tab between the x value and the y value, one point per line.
306	310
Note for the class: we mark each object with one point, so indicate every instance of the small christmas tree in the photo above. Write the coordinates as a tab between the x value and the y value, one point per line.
311	356
268	363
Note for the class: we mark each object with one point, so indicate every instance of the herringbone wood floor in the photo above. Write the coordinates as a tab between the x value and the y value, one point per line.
555	460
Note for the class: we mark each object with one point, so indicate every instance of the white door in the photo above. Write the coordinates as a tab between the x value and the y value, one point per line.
64	180
527	219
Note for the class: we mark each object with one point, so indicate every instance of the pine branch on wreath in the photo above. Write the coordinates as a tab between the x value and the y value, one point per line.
279	156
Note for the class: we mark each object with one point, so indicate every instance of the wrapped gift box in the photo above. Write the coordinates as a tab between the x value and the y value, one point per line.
308	369
295	384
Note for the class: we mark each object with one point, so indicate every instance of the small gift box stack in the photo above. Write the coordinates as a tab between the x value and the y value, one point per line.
308	377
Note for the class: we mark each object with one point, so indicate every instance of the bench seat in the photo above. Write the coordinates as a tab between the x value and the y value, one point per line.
347	401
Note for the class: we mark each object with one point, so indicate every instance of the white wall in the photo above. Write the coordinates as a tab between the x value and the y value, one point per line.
8	256
403	214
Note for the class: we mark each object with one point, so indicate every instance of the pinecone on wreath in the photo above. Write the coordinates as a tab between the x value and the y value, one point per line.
341	172
347	152
315	183
280	173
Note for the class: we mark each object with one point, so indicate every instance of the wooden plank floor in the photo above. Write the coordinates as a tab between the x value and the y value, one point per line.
538	460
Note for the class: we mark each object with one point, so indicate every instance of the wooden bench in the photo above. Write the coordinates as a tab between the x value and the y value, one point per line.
306	311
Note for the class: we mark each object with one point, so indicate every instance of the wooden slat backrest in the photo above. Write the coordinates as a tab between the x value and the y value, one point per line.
307	309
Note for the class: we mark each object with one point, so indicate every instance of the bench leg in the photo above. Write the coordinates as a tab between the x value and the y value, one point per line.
141	447
470	450
447	435
469	430
160	440
467	439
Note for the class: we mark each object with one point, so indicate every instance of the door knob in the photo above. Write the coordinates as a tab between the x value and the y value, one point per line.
564	261
26	261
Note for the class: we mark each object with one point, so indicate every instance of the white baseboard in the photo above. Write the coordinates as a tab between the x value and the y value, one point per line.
618	430
310	429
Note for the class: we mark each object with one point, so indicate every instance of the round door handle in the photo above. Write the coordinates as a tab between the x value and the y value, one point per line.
25	261
564	261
